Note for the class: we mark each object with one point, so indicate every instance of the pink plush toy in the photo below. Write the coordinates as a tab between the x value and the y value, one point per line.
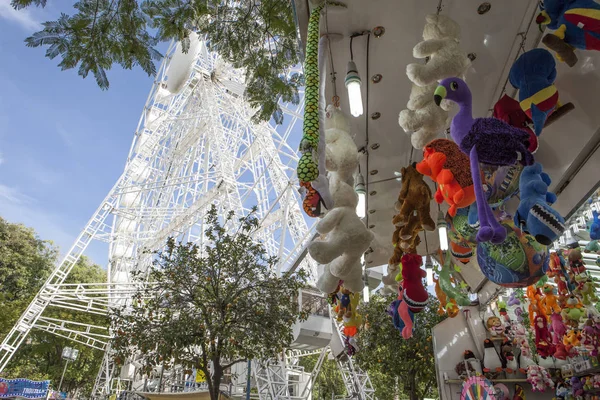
404	313
558	328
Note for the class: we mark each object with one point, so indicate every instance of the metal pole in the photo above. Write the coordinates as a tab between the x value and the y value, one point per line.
63	375
248	380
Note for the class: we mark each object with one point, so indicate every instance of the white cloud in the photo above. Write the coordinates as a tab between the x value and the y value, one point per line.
65	135
20	17
13	195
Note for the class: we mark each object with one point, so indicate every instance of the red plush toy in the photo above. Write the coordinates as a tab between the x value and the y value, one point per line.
414	294
509	110
543	339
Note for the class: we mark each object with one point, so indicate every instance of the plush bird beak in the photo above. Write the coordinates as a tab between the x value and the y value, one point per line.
543	18
439	95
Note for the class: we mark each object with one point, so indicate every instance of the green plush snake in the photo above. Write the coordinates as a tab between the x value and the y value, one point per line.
308	169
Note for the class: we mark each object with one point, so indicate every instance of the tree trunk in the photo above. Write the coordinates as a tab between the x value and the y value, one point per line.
215	380
413	388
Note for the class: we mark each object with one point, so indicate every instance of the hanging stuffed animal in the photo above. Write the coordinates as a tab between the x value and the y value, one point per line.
543	339
533	73
595	226
312	201
414	198
585	289
445	279
534	215
441	45
576	26
414	295
576	261
347	237
550	300
572	312
557	272
422	118
559	329
308	169
341	155
448	166
509	110
486	140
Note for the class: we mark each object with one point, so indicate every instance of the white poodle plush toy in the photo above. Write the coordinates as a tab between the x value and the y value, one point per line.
347	237
422	117
442	45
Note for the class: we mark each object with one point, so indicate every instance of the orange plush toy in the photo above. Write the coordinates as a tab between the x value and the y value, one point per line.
535	303
446	164
549	301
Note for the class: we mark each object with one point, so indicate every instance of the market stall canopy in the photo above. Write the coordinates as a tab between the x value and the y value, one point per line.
494	39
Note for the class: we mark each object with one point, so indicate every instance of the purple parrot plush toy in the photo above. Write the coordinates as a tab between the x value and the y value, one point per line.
487	140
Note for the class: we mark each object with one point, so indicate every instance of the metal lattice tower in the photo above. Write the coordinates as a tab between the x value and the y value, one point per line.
194	148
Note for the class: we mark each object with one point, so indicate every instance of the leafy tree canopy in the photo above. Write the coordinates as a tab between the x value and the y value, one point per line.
329	381
25	263
214	305
398	367
259	36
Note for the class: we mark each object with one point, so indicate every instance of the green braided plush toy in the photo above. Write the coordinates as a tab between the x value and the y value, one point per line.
308	169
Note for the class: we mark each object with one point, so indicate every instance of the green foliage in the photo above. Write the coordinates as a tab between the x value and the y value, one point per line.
259	36
329	381
25	263
221	303
398	367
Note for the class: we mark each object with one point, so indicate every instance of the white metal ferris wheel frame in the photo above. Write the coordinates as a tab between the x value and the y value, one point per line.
190	150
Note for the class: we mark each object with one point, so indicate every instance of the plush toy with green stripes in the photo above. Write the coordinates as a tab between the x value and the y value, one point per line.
308	169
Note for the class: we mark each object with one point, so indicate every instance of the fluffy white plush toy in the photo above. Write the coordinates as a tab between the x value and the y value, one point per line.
341	155
347	236
327	282
392	272
423	118
441	44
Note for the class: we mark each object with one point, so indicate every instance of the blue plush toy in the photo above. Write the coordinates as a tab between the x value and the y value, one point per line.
534	214
595	227
393	312
533	73
577	25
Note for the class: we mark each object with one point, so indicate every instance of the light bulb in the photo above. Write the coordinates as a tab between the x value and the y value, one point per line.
359	187
443	232
361	206
353	85
429	276
366	294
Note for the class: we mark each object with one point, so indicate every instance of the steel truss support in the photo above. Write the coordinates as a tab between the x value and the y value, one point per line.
357	382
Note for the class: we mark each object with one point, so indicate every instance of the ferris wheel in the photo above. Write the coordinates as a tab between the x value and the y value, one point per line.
195	146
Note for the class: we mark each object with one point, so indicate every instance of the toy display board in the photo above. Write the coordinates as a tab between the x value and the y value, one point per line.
451	339
542	340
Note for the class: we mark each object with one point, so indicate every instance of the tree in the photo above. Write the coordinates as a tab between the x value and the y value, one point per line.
399	367
210	307
40	357
259	36
329	381
25	263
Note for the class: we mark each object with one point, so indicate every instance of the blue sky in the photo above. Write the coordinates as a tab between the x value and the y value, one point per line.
63	141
